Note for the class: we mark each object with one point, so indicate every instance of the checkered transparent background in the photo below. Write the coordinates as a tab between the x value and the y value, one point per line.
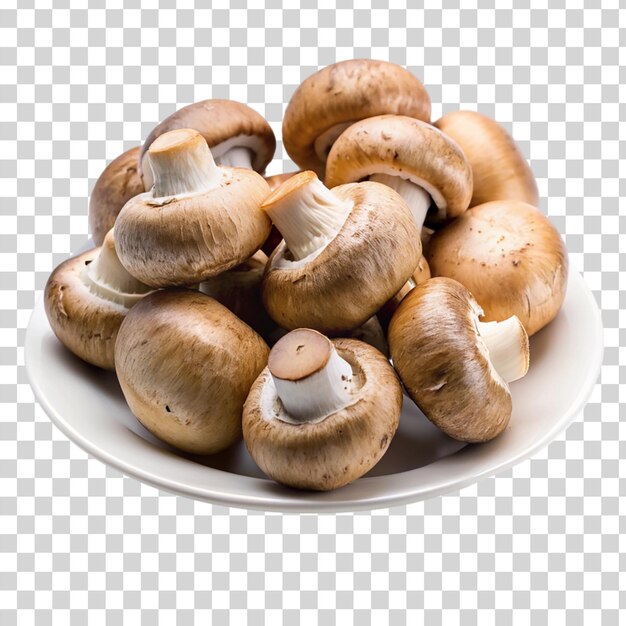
539	542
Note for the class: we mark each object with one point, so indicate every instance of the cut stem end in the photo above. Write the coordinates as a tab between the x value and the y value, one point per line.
311	379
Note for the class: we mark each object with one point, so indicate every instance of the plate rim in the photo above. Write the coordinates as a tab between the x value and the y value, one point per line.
314	502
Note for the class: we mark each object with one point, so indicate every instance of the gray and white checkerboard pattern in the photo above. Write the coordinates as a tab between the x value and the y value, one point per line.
82	544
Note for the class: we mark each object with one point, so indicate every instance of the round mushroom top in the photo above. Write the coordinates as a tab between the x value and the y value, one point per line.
500	170
180	361
408	148
444	364
191	239
224	124
340	287
300	354
84	322
510	256
86	299
340	94
333	452
118	183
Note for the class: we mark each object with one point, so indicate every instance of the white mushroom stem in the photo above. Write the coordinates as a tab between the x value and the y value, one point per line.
325	141
106	277
314	397
182	163
415	196
507	343
307	214
236	157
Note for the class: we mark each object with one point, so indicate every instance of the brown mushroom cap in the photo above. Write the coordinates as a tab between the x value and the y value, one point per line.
84	318
371	257
187	238
343	93
443	364
500	170
510	256
405	147
343	446
179	360
224	124
118	183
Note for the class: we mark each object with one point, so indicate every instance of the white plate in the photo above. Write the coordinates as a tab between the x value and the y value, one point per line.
87	405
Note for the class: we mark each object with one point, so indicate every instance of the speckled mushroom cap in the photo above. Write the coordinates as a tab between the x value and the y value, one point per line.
185	238
408	148
84	311
371	257
510	256
224	124
118	183
443	363
343	446
500	170
340	94
180	364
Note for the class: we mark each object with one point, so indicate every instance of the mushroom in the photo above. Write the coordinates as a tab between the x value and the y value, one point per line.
422	164
237	135
345	252
454	367
118	183
500	170
322	413
197	221
86	299
510	256
239	290
185	364
332	99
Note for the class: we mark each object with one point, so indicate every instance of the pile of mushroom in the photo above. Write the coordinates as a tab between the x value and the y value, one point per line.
293	310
